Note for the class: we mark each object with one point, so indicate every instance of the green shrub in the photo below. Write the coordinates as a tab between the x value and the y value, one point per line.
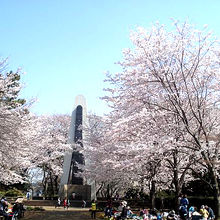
13	193
37	208
2	193
29	208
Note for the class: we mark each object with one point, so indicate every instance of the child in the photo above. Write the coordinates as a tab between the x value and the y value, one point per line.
93	208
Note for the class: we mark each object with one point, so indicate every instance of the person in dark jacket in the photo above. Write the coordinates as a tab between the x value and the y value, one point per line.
211	213
3	209
184	201
124	213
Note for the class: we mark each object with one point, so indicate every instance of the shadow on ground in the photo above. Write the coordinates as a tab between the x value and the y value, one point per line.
57	215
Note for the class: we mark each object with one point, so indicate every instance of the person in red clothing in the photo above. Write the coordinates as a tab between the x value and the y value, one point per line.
65	203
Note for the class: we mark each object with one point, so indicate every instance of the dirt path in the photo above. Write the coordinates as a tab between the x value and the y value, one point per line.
58	214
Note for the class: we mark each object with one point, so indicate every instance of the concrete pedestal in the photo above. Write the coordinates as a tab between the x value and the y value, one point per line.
82	192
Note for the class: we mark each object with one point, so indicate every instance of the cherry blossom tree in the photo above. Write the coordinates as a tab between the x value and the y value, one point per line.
173	77
28	141
100	158
115	161
119	153
49	143
13	121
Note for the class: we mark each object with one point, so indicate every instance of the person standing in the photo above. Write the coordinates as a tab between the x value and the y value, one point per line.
28	195
65	203
124	212
58	202
109	207
68	203
83	204
93	208
183	212
108	211
116	196
179	199
73	195
204	213
184	201
211	213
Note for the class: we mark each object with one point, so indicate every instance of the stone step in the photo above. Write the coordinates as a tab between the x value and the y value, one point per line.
73	203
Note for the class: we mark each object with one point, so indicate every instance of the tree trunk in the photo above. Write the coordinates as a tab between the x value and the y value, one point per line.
108	192
56	185
46	190
177	190
51	184
99	190
176	181
162	203
152	194
44	182
217	208
216	193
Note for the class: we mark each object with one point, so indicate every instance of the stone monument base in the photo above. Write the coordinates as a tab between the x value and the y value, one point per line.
82	192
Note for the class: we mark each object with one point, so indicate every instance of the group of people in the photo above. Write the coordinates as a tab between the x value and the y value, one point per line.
191	213
123	211
16	210
151	214
205	213
65	203
184	213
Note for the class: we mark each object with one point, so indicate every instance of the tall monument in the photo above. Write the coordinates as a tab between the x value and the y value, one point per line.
70	182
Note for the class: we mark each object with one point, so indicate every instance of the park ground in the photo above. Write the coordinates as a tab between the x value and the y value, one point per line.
51	213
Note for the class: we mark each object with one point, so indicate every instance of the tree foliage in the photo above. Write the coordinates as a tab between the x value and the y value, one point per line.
165	106
13	123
